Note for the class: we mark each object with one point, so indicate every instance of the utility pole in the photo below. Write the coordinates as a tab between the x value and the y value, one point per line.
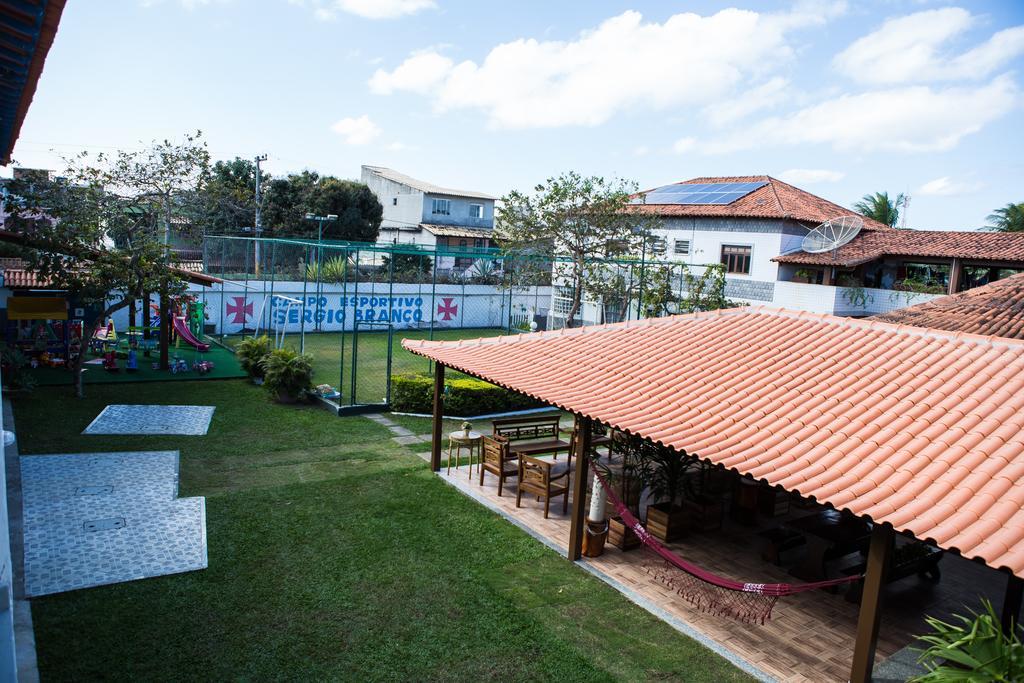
258	226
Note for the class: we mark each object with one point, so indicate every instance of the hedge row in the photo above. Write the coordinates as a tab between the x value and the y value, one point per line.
464	397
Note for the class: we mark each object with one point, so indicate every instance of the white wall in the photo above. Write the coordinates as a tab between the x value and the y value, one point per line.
706	247
844	300
405	306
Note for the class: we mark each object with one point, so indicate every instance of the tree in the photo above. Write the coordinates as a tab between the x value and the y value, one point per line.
289	199
880	207
229	196
586	223
1009	218
99	230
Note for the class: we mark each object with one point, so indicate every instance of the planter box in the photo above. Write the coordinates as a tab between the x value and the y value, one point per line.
621	536
705	514
666	522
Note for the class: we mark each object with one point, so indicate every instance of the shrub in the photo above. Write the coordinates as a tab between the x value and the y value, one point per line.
975	649
463	396
332	270
250	353
16	373
286	374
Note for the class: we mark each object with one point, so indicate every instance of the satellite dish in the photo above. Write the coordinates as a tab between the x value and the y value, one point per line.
832	234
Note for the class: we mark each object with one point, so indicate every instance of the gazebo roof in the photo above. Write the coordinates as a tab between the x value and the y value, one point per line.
919	428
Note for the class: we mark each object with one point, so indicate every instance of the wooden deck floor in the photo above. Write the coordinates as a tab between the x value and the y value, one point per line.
810	636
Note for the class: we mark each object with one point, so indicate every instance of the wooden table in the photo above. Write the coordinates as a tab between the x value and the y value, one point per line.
830	534
458	440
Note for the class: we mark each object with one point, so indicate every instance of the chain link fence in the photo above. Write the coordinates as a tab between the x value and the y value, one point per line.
349	305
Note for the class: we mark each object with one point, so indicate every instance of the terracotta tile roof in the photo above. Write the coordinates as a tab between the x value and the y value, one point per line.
918	428
17	278
457	231
775	200
994	309
871	245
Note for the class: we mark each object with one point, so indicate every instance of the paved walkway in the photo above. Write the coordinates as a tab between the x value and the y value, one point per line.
152	419
401	435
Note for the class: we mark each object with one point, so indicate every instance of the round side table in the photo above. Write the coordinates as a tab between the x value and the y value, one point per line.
473	442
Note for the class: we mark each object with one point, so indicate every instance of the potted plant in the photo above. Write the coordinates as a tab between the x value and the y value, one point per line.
805	275
250	353
467	427
663	471
287	374
619	535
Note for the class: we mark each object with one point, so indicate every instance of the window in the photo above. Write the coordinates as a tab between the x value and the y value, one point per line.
476	210
659	245
681	247
478	243
561	303
394	201
441	207
736	259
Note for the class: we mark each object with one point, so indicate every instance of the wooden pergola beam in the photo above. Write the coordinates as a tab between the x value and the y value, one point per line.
577	515
436	418
870	618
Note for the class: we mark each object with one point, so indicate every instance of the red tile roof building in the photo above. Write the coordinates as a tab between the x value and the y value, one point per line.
995	309
775	199
919	428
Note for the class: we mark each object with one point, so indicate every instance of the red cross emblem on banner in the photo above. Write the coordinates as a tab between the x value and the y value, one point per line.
240	310
446	309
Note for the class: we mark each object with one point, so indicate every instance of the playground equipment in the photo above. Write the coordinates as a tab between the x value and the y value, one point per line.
278	318
185	334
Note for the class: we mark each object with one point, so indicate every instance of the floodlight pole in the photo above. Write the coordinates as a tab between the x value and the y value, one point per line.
320	220
258	225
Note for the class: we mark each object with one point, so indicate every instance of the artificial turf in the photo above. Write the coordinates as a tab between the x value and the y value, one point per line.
224	366
336	555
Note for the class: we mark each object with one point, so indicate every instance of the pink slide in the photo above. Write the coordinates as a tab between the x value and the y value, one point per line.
182	329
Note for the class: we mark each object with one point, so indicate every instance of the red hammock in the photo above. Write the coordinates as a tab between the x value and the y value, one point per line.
747	602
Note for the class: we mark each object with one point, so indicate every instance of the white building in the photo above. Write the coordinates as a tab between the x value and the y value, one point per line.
430	216
754	225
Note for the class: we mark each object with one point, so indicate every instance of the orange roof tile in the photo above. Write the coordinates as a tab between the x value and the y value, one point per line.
868	246
774	200
919	428
994	309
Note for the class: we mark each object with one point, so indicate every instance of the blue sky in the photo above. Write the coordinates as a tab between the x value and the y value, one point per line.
839	98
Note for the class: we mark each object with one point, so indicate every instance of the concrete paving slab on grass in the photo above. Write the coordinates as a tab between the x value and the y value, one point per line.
152	419
93	519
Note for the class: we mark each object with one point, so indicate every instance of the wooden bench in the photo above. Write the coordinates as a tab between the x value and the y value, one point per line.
531	435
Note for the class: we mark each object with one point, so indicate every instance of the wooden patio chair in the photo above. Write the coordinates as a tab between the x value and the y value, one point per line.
498	461
544	479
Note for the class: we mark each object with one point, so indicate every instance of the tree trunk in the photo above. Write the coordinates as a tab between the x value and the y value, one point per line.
577	299
165	327
145	316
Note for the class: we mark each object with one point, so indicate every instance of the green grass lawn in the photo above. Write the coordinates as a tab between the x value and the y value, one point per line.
371	357
334	554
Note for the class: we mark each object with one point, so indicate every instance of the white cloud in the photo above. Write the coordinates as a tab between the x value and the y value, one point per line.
911	48
327	10
913	119
641	151
357	130
683	145
765	96
624	63
810	176
420	73
399	146
946	186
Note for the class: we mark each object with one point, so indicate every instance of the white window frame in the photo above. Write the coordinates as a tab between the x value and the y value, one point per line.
685	244
476	211
437	205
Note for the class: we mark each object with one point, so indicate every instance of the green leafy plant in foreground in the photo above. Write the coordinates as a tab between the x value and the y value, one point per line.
250	353
975	649
286	374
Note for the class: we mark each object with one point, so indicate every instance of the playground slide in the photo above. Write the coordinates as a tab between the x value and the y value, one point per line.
181	327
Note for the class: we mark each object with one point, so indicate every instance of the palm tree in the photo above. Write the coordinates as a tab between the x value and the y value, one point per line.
880	207
1010	218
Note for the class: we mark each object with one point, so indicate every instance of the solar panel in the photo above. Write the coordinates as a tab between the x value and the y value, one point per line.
701	193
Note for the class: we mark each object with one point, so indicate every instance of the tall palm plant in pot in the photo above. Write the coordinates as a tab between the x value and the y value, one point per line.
664	471
287	375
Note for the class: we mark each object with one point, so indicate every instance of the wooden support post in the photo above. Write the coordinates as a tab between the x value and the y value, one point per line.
577	521
870	617
1011	603
438	414
955	270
